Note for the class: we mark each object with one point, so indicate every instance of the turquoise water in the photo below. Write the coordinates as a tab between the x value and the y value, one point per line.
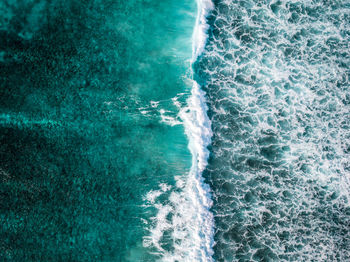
276	75
88	126
108	152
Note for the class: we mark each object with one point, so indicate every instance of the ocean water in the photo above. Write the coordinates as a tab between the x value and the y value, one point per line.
147	130
92	144
276	74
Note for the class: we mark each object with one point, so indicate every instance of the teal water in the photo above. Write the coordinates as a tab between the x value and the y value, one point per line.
276	75
104	130
88	126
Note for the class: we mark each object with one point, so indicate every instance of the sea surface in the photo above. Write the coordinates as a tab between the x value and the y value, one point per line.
148	130
89	98
276	74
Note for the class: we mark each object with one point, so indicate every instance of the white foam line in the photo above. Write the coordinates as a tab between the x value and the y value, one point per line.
199	37
198	130
192	223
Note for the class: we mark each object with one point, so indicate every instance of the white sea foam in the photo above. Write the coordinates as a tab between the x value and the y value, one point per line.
281	132
168	119
200	31
191	225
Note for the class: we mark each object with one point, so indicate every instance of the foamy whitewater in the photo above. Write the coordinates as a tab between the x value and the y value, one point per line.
276	77
192	226
270	95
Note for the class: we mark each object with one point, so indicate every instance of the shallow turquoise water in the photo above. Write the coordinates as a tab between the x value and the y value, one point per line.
83	85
